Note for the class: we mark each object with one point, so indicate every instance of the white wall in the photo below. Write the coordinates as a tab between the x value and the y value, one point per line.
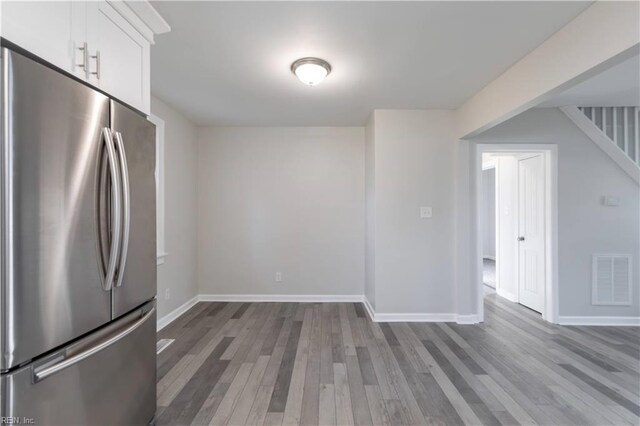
370	215
585	175
414	166
281	199
178	273
488	213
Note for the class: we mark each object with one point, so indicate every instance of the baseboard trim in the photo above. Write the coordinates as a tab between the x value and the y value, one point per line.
468	319
298	298
418	317
414	317
375	317
370	311
176	313
317	298
605	321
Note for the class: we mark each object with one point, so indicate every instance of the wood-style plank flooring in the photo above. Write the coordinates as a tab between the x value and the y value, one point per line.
327	363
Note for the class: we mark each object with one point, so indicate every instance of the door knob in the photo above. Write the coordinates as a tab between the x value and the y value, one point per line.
520	238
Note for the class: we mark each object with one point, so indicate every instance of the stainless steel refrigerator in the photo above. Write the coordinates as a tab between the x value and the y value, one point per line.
78	270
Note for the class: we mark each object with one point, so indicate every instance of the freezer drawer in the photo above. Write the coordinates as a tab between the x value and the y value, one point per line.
106	378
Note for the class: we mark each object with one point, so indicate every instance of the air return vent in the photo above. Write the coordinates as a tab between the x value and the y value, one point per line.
611	279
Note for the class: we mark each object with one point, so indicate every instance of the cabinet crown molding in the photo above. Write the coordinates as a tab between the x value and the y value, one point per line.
142	15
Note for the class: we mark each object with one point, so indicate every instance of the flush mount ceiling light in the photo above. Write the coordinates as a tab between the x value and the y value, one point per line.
311	71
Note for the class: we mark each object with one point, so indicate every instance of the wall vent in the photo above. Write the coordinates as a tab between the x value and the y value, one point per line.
611	279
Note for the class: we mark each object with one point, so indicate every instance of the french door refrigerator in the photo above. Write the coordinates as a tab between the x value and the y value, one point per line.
78	270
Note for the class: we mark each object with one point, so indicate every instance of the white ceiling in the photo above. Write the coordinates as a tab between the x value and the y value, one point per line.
616	86
227	63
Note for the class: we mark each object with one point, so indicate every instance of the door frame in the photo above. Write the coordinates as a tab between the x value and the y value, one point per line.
550	152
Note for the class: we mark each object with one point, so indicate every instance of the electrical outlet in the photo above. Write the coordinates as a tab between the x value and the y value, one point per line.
278	277
167	294
426	212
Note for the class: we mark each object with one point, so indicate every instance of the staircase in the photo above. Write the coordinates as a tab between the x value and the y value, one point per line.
620	124
615	130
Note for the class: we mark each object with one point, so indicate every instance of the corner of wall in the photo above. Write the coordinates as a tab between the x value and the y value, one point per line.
370	217
178	272
465	241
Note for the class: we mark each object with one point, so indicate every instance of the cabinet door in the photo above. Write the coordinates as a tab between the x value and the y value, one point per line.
123	63
51	30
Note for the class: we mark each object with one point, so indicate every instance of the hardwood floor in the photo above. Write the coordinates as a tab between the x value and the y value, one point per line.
306	363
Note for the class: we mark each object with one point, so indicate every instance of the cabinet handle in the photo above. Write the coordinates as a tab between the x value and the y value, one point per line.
97	58
85	60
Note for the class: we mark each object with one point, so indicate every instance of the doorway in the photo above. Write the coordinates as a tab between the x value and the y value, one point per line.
488	221
516	206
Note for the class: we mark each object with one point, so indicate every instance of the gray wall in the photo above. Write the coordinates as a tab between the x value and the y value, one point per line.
178	273
414	155
488	213
287	200
293	200
370	215
585	175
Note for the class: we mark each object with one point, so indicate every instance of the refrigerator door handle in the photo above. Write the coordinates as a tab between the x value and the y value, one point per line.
49	370
116	210
126	208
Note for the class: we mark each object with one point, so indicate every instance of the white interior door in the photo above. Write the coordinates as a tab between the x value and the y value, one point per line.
531	224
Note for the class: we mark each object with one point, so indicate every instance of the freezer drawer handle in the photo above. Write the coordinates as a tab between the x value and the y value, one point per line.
55	368
126	208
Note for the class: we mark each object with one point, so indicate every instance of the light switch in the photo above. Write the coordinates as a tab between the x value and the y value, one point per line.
426	212
611	201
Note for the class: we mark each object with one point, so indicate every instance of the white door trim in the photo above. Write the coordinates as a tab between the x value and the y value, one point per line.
550	151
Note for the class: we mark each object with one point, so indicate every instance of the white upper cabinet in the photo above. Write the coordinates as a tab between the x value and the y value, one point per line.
53	31
105	43
118	56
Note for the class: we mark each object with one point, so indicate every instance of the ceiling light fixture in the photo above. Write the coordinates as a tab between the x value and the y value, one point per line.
311	71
